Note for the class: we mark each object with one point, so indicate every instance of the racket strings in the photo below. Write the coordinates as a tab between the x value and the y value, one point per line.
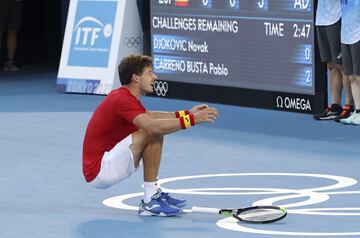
260	214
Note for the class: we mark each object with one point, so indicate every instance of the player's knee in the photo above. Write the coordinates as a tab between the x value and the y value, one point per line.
147	136
159	138
156	138
153	133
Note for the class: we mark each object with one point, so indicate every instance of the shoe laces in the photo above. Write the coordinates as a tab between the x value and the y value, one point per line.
158	196
171	200
166	195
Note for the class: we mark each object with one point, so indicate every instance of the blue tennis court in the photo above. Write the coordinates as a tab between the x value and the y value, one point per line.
248	156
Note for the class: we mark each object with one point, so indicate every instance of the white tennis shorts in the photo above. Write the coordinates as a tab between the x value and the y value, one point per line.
116	165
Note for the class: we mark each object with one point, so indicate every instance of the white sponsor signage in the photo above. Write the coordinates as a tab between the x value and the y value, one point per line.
97	37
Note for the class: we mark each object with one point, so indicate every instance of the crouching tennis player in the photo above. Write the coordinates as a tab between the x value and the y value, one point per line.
121	133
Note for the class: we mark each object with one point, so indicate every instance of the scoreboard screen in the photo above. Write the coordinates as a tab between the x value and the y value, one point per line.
256	53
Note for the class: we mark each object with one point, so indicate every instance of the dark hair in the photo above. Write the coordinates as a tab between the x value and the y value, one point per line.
133	64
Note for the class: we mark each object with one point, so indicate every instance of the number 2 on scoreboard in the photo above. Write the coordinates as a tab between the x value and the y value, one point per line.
308	76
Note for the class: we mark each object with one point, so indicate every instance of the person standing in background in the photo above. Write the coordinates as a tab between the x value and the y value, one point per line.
328	22
10	23
350	47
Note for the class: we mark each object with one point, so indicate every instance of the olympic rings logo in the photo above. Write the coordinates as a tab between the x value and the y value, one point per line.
160	88
308	195
132	42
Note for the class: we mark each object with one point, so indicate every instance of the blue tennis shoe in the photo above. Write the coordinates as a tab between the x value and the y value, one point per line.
172	201
158	207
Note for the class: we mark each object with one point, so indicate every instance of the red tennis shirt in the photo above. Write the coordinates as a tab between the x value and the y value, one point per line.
110	123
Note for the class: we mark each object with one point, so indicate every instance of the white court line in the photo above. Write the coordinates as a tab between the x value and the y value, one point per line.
314	194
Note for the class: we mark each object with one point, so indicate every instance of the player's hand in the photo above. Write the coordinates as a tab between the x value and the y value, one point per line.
208	114
197	108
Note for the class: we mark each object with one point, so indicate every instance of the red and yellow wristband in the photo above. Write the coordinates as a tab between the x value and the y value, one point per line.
187	121
182	113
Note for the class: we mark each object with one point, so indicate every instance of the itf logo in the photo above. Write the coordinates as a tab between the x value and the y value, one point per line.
92	33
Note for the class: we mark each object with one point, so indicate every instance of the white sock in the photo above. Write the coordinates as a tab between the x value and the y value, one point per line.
150	188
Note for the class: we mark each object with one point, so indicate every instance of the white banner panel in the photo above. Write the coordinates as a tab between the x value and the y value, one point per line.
99	33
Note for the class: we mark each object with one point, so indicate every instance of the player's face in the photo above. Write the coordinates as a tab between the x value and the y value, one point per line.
147	79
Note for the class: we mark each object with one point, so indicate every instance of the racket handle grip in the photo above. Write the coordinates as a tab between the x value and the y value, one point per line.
205	210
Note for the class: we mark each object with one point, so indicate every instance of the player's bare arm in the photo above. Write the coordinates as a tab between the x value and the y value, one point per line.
171	115
163	126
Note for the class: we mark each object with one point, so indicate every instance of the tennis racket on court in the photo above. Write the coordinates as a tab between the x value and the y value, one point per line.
255	214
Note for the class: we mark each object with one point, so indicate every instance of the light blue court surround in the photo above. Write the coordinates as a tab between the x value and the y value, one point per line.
257	155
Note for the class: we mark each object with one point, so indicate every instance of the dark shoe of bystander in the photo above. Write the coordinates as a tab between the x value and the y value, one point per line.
10	66
346	112
330	113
